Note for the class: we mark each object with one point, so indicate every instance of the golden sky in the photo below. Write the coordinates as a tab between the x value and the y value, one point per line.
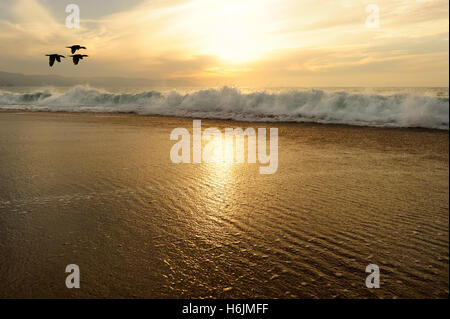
269	43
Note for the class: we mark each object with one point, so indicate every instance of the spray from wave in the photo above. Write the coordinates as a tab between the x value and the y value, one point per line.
315	106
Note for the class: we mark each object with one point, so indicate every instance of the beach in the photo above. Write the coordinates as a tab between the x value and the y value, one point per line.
100	191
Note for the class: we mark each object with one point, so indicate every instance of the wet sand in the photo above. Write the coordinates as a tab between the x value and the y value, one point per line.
100	191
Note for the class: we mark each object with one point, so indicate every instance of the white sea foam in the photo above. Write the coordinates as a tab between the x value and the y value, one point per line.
402	109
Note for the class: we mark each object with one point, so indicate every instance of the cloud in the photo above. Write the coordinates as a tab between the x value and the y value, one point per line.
280	43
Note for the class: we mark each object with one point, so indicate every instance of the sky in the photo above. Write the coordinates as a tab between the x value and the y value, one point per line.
269	43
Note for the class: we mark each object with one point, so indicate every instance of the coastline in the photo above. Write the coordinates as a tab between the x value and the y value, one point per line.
222	122
100	191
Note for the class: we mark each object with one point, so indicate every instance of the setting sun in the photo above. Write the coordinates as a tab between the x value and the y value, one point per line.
230	30
237	37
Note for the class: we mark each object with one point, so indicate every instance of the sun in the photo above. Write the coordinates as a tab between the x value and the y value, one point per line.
231	30
234	42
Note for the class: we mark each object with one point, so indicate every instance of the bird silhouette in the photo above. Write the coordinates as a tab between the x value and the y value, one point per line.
53	57
78	57
76	47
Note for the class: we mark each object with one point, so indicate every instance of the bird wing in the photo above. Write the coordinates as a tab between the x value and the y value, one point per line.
76	60
52	60
58	58
73	50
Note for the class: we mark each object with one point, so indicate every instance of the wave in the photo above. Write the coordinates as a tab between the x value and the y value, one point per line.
314	106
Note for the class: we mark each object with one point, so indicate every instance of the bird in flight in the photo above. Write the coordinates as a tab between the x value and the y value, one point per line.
53	57
78	57
76	47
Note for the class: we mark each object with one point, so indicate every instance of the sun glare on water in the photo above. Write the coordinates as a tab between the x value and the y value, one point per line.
220	150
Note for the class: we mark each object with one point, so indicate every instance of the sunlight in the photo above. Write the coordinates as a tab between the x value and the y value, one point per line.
233	40
232	30
219	151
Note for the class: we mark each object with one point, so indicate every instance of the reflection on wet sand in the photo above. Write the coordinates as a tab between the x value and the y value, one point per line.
101	192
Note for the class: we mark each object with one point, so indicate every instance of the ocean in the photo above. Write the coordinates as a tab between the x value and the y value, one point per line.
378	107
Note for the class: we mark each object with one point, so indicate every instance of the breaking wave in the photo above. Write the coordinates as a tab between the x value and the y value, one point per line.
315	106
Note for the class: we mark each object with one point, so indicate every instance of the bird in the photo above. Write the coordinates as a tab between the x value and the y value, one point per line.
53	57
76	47
78	57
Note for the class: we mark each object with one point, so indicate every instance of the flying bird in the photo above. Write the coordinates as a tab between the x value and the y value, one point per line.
76	47
53	57
78	57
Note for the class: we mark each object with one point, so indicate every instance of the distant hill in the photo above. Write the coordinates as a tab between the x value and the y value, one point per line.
17	79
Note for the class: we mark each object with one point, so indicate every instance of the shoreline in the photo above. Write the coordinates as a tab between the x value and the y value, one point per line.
100	190
224	121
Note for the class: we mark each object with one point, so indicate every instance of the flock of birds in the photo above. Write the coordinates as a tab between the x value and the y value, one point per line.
76	57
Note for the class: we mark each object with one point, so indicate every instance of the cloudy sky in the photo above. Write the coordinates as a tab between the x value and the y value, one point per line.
235	42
